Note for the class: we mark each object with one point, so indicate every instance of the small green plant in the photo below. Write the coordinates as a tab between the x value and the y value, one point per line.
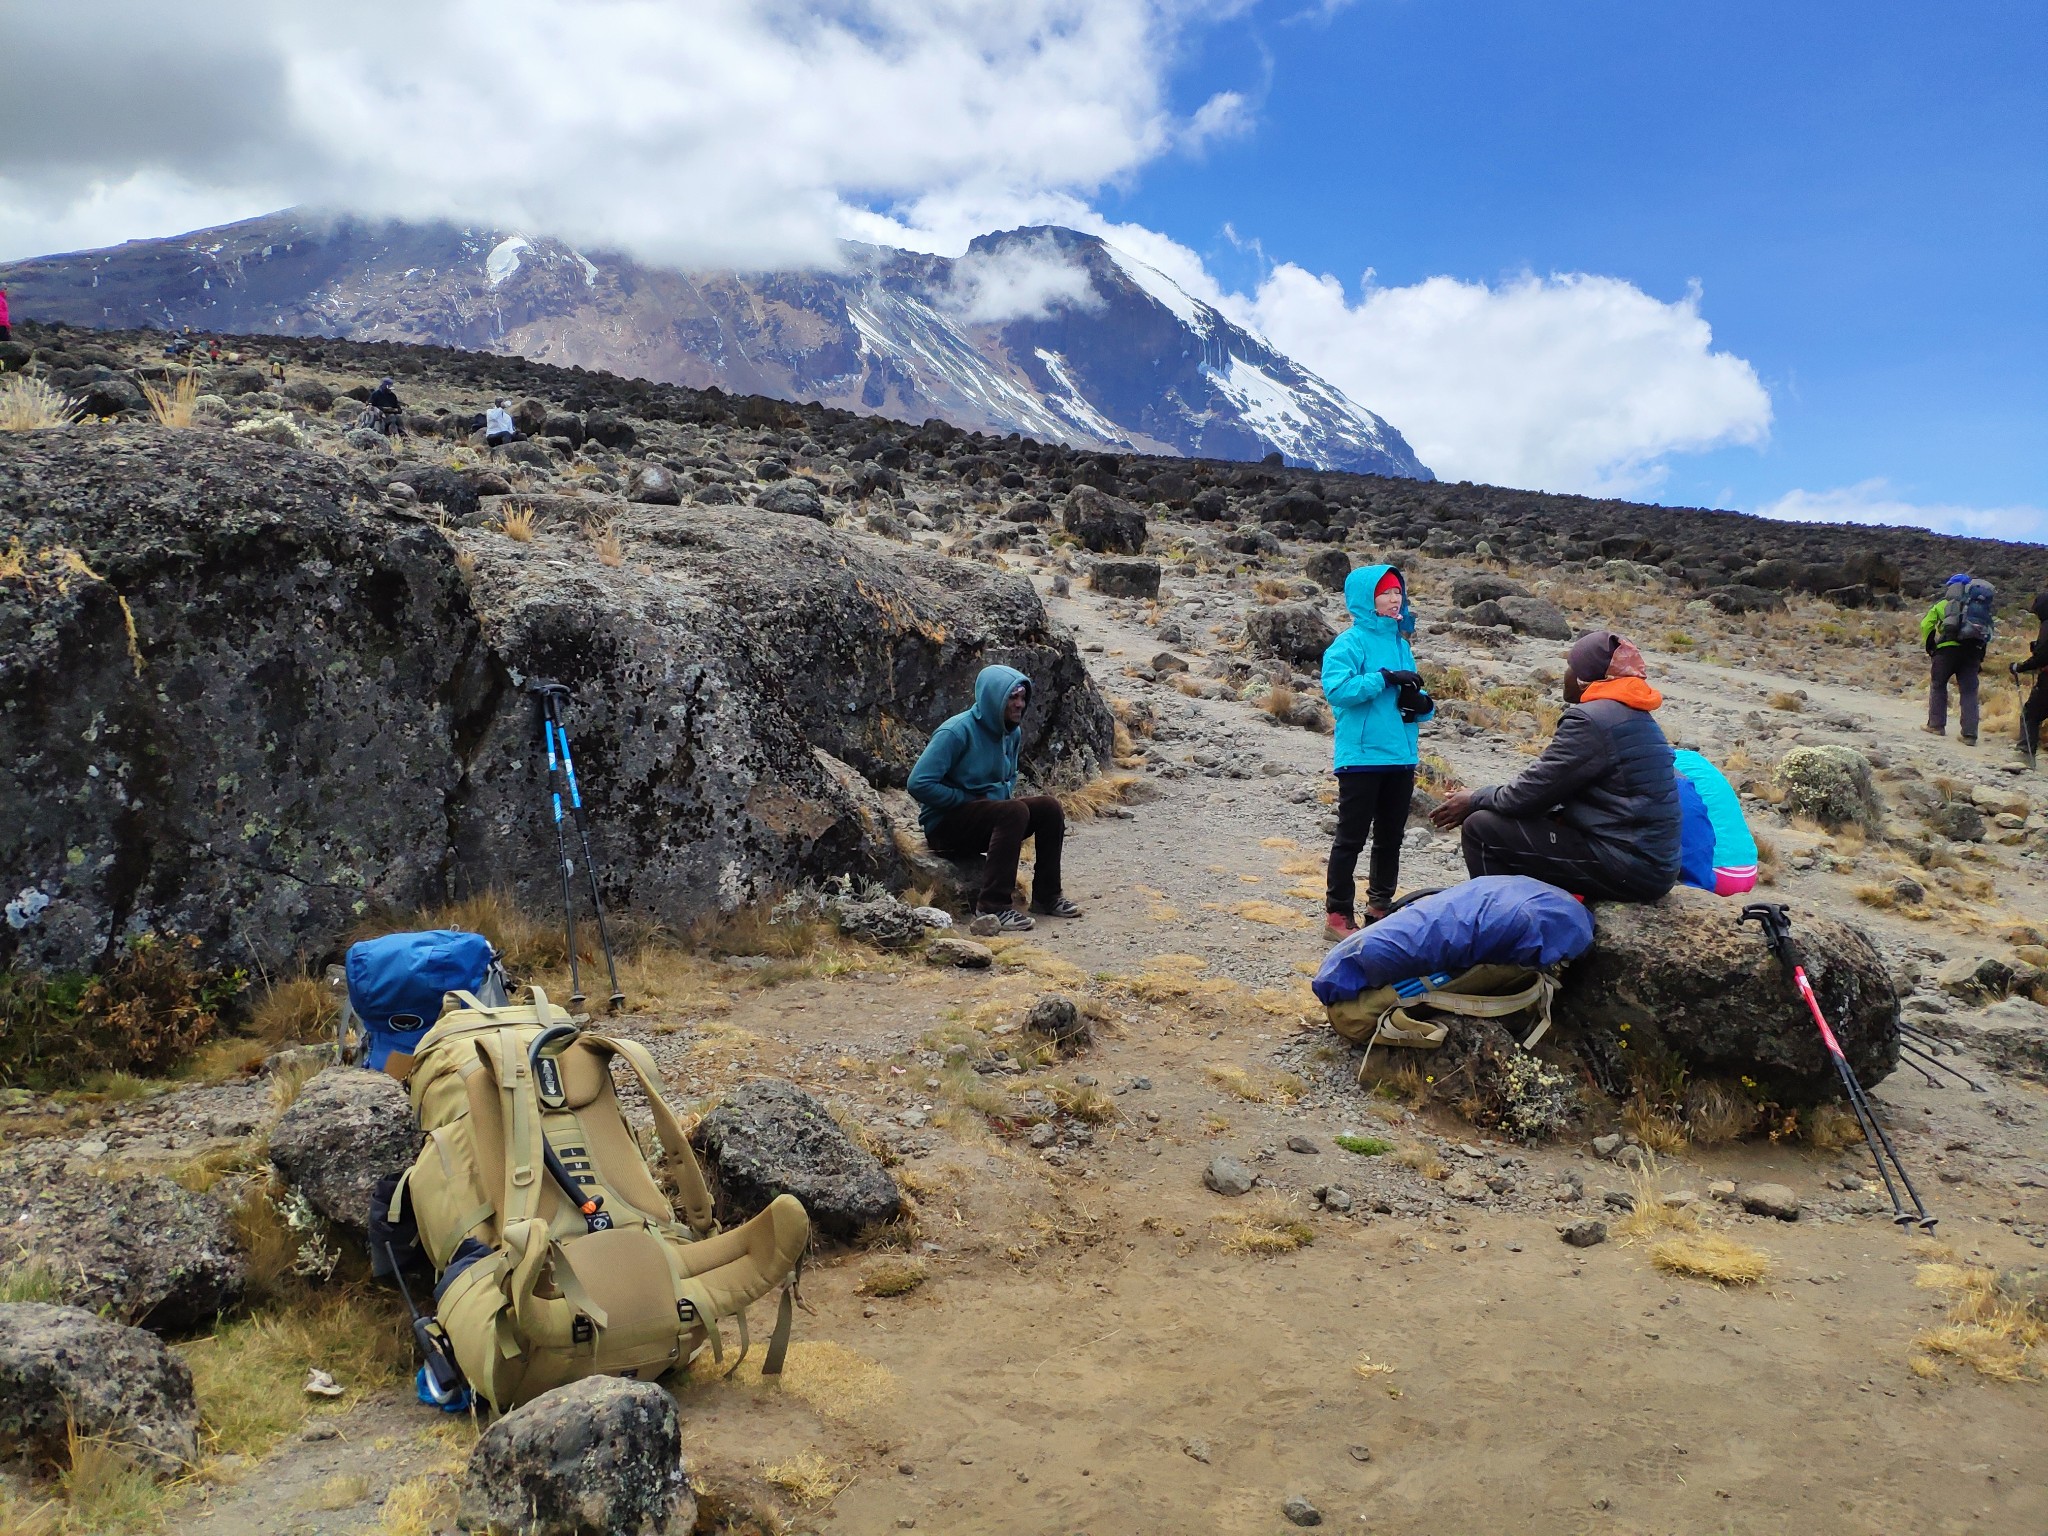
144	1012
1365	1146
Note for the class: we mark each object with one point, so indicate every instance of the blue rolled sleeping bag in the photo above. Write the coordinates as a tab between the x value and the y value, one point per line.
1489	920
395	984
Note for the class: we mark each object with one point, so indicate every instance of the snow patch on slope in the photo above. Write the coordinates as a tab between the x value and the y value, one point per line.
1162	290
1072	403
504	259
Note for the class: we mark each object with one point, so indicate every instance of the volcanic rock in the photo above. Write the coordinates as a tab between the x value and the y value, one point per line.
599	1457
63	1370
768	1137
347	1128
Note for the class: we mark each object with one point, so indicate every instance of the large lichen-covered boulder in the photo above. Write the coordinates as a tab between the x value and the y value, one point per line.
246	699
599	1457
347	1129
1297	633
131	1246
1677	981
64	1370
768	1138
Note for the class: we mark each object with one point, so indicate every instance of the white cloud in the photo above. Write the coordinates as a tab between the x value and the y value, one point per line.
1570	383
1876	502
1226	115
1025	280
744	132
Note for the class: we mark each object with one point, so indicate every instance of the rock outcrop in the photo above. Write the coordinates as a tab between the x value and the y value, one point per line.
599	1457
248	701
1678	980
63	1369
347	1128
768	1137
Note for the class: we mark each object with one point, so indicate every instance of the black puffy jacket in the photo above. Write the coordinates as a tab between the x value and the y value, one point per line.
2037	653
1607	773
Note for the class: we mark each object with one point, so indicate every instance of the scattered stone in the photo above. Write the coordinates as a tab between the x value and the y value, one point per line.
1303	1145
964	953
985	926
347	1128
1465	1185
877	918
1721	1189
1297	633
1679	1199
1197	1450
1585	1234
62	1367
768	1137
653	485
1618	1200
599	1457
1957	820
794	498
1059	1020
1908	890
1537	616
1327	568
1299	1511
1166	661
1361	1453
1769	1200
1227	1176
1975	978
1125	578
1043	1135
1338	1200
1606	1146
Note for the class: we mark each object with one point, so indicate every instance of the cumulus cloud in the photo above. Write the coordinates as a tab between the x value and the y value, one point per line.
1226	115
1024	280
1570	382
740	132
1877	502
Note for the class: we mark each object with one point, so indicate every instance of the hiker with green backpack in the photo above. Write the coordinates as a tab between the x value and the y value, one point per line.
1956	632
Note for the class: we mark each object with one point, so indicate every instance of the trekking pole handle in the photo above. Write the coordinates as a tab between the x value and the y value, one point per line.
1776	921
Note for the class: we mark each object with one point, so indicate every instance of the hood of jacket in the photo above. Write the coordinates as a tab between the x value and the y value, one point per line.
992	697
1635	692
1358	590
2041	606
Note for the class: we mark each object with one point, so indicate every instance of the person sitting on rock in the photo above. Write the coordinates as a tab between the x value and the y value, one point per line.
1364	672
499	428
1597	813
390	411
965	780
1717	849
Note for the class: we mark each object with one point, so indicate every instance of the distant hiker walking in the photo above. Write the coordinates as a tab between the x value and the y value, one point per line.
1369	677
1956	632
964	781
2034	711
1598	812
499	428
6	325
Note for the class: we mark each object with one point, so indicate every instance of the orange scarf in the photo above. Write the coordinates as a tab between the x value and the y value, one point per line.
1632	691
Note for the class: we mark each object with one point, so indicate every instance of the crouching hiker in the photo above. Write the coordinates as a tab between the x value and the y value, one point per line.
499	428
965	780
1717	849
1369	677
1597	813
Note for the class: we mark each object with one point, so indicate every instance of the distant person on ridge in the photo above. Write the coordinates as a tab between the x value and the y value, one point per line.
964	781
1369	677
1597	813
2035	710
6	325
499	428
390	412
1956	632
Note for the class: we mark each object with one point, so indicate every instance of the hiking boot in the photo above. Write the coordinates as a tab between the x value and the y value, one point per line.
1373	914
1010	920
1930	730
1061	906
1969	741
1338	925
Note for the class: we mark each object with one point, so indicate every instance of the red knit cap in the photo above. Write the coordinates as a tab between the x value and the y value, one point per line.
1388	582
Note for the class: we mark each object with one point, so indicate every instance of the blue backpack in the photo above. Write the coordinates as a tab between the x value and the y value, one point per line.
396	983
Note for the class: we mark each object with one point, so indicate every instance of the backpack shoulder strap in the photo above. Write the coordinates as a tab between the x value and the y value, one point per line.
503	1053
675	1142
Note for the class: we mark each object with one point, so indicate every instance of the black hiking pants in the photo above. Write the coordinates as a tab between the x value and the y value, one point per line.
1546	849
1372	803
1960	662
998	828
2034	714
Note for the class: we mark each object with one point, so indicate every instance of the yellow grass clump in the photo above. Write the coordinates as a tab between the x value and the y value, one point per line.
891	1277
419	1506
1097	795
1272	914
1272	1225
808	1478
176	406
1711	1256
1991	1332
518	524
829	1378
28	404
1367	1368
295	1011
1255	1087
1419	1157
605	542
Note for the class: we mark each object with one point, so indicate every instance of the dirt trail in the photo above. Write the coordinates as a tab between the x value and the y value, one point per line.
1090	1355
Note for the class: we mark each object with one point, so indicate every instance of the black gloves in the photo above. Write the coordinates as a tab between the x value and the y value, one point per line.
1401	679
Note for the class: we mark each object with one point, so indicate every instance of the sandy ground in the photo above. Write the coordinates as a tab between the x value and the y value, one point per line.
1090	1356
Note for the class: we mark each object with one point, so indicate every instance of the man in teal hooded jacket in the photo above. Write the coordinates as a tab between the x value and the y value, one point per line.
965	781
1366	671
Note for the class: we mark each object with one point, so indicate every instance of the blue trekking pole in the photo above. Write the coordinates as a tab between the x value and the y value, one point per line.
547	731
552	695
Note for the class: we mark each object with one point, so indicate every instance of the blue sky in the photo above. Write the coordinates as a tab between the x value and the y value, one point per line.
1786	257
1860	192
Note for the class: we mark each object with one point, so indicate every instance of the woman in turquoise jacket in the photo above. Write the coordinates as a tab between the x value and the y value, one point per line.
1365	672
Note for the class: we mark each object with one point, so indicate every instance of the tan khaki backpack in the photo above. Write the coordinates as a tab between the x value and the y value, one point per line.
536	1288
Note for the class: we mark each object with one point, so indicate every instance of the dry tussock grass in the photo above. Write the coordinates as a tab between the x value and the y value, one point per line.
1992	1333
28	404
1650	1215
1255	1087
295	1011
419	1506
1711	1256
1716	1114
1830	1127
177	406
518	524
833	1380
891	1277
1266	1226
808	1478
1098	795
1270	913
605	542
1423	1160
